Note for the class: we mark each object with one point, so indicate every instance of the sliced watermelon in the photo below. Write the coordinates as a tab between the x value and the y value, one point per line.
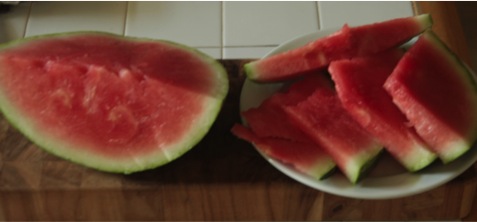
273	134
437	93
322	117
269	119
305	157
346	43
359	83
109	102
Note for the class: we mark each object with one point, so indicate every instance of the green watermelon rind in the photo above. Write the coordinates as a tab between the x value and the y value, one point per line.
362	162
249	70
425	20
320	170
126	166
323	169
462	146
418	159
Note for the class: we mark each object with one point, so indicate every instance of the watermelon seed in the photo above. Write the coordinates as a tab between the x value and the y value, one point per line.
127	74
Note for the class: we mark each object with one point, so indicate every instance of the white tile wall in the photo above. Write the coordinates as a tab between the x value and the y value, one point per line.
246	52
13	23
49	17
335	14
196	24
267	23
224	30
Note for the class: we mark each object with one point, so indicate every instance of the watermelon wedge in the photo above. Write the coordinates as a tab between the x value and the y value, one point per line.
359	84
346	43
438	95
272	133
270	119
109	102
304	157
322	117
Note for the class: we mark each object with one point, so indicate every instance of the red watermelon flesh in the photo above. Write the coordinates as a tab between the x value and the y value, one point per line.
304	157
438	95
112	103
272	133
359	84
322	117
346	43
269	119
295	62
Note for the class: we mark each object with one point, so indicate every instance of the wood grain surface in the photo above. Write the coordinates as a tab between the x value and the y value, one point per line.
222	178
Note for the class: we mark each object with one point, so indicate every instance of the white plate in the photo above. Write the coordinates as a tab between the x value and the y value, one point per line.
386	180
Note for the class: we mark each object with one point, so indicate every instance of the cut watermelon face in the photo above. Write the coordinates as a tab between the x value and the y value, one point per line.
346	43
270	119
438	95
304	157
272	133
108	102
322	117
359	84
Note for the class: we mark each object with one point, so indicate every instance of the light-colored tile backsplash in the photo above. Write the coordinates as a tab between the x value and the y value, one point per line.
227	30
52	17
267	23
246	52
336	14
13	23
215	53
196	24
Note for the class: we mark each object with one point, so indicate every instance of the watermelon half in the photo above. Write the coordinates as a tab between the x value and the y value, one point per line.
109	102
346	43
438	95
359	84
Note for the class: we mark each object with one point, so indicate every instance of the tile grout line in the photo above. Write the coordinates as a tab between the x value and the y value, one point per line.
222	29
125	20
318	14
27	20
253	46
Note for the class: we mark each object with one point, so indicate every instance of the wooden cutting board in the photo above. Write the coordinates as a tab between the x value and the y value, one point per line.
222	178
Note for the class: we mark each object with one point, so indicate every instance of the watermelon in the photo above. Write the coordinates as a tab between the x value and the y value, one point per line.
272	133
438	95
267	120
113	103
322	117
304	157
346	43
270	120
359	84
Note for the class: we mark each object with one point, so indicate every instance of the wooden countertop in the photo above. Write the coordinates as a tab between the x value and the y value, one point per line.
222	178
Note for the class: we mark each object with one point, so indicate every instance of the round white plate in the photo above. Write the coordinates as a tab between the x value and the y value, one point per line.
386	180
